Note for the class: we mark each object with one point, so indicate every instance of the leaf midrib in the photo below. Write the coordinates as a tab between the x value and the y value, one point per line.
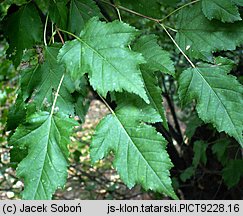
140	153
215	93
101	56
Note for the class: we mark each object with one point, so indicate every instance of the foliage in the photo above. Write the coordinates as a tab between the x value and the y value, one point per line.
128	68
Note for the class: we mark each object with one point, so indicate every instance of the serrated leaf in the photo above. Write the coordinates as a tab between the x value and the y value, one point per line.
219	97
233	172
80	12
23	29
154	93
223	10
156	58
41	81
101	50
45	167
198	37
238	2
199	149
140	152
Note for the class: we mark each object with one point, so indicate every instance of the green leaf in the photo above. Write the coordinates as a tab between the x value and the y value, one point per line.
223	10
233	172
219	96
82	102
16	113
41	81
80	12
101	50
199	148
171	3
45	167
23	29
238	2
187	173
17	2
43	5
58	12
150	8
156	58
198	37
192	124
220	149
154	93
140	152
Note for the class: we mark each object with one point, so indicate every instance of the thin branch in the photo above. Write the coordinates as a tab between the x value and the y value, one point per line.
44	36
60	83
53	33
185	5
119	14
159	22
107	105
59	34
130	11
56	95
172	39
52	37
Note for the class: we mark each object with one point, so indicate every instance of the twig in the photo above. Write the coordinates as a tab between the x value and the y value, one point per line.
60	36
44	36
185	5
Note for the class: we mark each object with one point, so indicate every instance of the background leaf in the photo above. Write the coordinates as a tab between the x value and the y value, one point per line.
80	12
219	97
199	37
233	172
223	10
23	30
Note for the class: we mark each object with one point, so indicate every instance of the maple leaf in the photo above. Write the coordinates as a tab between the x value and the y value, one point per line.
199	38
219	96
44	169
225	10
140	152
101	50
